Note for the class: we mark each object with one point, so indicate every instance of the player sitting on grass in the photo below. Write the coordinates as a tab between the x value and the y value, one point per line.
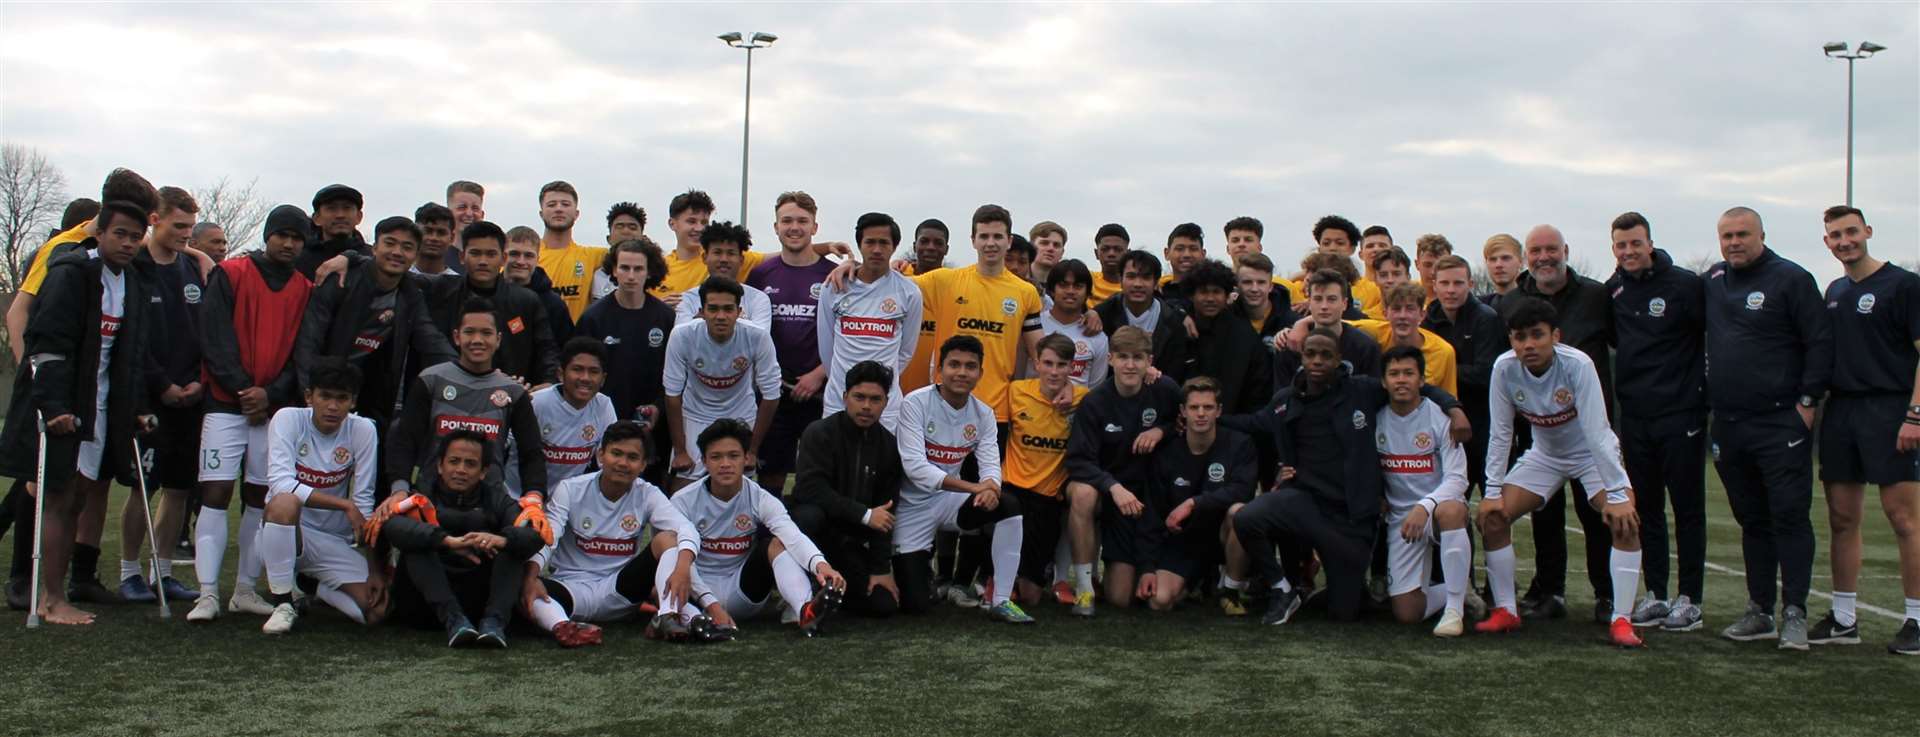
1200	480
1426	491
748	544
601	573
460	552
1558	392
321	466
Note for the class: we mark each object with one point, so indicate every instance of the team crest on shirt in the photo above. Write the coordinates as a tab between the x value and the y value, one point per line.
448	393
586	523
303	450
968	432
587	433
610	340
342	455
742	522
814	292
1657	307
929	427
888	306
699	364
629	523
1216	473
1008	305
1147	416
1422	440
654	337
1714	448
1024	417
1380	441
1359	420
1519	397
386	316
546	428
1755	300
1865	305
579	269
499	398
1562	396
739	363
192	293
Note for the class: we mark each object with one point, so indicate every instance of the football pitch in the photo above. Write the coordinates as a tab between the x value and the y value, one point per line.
952	672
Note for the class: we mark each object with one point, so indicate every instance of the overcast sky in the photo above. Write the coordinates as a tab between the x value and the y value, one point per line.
1461	119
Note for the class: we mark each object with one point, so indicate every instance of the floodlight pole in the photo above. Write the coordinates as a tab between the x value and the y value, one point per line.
755	40
1839	51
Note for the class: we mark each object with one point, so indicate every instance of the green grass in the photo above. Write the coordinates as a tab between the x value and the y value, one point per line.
1126	672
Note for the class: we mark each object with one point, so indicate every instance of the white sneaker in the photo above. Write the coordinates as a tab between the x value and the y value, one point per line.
1451	624
248	601
281	622
205	609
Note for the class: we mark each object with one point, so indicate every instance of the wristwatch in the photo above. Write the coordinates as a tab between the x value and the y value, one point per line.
1914	410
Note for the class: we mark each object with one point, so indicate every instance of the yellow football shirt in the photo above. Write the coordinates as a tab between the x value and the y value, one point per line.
1102	289
1442	365
1037	438
998	310
37	271
683	275
1366	296
571	270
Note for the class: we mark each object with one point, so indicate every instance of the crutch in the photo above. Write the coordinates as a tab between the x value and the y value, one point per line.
39	518
140	469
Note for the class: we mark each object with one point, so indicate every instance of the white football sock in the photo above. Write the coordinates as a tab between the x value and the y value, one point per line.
1008	534
129	569
661	573
209	548
1500	578
547	613
1843	608
1062	559
1913	609
1626	580
249	573
796	587
1229	582
1456	564
340	600
1436	599
1082	578
276	549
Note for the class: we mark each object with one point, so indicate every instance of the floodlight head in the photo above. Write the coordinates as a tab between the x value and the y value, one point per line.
734	38
1869	47
764	38
1832	47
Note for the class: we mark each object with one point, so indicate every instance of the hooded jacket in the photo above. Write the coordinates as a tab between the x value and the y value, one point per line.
1660	320
527	347
1228	350
251	314
336	311
63	345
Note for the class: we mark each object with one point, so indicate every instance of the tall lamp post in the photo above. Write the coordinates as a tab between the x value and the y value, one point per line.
739	40
1838	50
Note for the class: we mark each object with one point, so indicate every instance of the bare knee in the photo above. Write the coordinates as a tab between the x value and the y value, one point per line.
663	541
1450	516
283	510
1409	608
1902	505
1081	498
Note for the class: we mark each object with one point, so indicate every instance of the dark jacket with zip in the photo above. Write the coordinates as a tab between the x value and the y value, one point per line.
1171	349
1357	403
845	471
1478	337
336	311
1228	350
63	358
485	508
1659	319
527	347
1768	338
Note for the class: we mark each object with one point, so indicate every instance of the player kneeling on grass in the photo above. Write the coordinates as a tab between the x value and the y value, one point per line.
748	544
460	552
1200	480
843	494
1558	392
940	426
601	573
1426	491
1036	473
1115	431
320	474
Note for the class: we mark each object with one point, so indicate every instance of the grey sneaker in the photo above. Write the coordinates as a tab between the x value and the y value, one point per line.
1756	624
1682	616
1907	640
1793	629
1650	612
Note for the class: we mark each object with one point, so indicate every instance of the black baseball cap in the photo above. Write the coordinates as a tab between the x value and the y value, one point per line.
337	193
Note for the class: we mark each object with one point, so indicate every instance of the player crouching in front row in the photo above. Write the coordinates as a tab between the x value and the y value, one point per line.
600	571
748	544
320	474
1426	474
460	551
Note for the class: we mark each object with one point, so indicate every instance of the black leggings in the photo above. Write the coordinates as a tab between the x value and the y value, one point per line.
490	589
1293	520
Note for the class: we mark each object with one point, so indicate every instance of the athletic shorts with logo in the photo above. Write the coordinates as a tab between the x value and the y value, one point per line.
226	443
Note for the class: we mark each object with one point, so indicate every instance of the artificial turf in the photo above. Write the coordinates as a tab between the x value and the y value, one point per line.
952	672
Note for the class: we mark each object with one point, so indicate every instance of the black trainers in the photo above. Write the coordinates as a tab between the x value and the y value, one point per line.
1603	611
460	631
1829	632
91	591
493	634
1907	640
1281	606
18	598
1543	607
